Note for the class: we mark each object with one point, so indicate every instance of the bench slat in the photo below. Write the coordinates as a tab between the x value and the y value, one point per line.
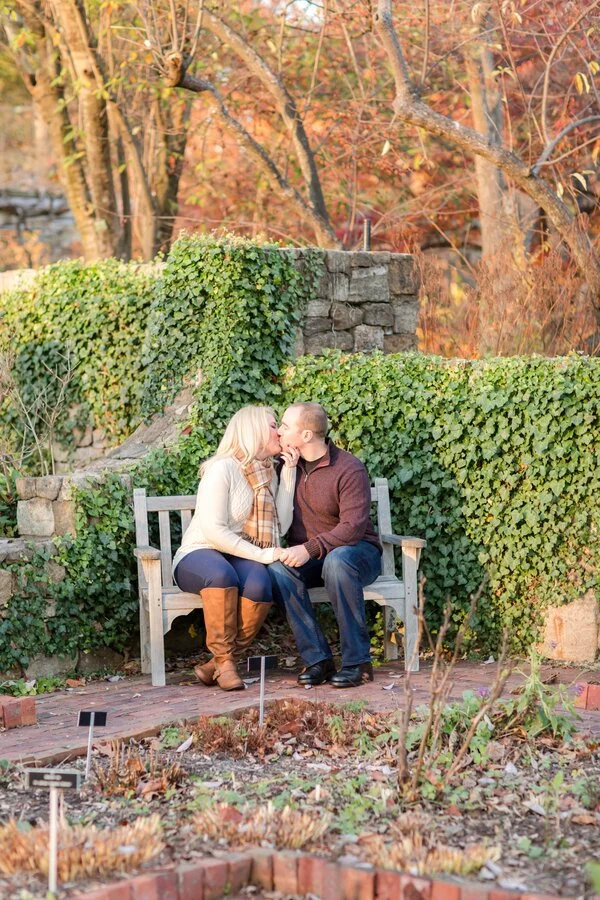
166	557
172	504
186	518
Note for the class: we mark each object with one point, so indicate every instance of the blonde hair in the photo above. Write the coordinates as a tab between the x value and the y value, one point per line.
247	434
312	417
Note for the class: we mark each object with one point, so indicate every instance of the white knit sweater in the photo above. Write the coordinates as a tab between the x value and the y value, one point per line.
224	503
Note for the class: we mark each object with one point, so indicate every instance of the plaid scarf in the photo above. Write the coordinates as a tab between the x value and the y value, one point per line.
262	525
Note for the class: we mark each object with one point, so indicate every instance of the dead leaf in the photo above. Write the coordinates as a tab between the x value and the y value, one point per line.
453	810
585	819
75	682
149	787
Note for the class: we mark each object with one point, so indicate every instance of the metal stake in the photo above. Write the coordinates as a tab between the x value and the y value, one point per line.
366	234
53	848
261	713
89	749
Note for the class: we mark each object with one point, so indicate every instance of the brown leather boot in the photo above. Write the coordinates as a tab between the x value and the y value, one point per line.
220	607
206	672
251	616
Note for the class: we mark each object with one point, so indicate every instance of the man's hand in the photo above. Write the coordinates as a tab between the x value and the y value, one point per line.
295	556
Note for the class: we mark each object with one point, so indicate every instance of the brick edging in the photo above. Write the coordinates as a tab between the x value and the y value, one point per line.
287	872
587	695
17	711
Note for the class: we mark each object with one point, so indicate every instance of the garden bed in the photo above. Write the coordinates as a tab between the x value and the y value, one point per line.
522	813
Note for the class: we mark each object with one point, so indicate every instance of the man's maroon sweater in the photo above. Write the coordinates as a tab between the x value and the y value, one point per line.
332	504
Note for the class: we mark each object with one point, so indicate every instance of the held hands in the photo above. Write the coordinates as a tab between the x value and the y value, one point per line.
292	556
290	457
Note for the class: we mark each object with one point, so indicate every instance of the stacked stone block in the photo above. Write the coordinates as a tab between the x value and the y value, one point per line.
364	301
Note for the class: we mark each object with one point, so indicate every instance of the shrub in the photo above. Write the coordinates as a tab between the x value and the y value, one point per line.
495	463
90	317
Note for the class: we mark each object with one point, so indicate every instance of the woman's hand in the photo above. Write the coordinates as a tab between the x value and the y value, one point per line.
279	553
290	457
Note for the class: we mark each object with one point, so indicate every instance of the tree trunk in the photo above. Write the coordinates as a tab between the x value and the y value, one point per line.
95	132
413	111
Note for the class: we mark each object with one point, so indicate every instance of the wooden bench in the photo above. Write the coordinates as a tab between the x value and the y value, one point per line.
161	601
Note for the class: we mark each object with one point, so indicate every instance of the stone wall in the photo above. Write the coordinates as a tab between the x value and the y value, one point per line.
364	301
45	508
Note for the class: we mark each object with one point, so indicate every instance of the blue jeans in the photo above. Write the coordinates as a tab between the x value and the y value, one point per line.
344	572
211	569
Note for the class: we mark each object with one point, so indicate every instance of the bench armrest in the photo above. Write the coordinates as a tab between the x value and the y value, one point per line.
145	553
402	541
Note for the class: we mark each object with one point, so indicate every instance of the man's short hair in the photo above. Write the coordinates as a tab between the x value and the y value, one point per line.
312	418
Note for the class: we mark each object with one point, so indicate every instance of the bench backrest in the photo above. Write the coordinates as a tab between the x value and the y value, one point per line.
185	505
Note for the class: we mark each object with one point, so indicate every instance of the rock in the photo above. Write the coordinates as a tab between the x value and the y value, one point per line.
365	258
48	486
101	658
7	586
42	666
35	518
315	325
572	632
338	287
406	314
318	308
340	340
299	345
99	439
83	438
378	314
403	274
59	454
64	517
85	455
25	488
368	337
55	572
369	285
399	343
345	316
338	261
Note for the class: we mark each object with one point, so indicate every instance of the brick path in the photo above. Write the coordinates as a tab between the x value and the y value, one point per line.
136	709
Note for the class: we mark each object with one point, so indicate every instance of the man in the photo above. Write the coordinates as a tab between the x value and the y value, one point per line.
332	542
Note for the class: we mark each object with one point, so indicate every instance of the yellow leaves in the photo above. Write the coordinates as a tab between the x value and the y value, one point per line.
560	190
580	178
594	67
582	83
386	148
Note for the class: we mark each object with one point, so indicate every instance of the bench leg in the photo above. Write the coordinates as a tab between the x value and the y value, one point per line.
157	645
145	634
410	564
390	647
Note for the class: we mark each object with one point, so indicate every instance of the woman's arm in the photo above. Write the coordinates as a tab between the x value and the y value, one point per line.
212	512
285	497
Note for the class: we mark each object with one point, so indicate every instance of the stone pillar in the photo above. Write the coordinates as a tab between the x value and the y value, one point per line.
364	301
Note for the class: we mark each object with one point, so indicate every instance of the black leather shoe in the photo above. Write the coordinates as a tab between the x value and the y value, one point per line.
319	673
352	676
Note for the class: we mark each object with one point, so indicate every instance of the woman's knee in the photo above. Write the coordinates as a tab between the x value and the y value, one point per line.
205	569
258	586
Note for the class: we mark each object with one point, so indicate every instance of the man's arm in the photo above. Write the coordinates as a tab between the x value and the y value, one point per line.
355	509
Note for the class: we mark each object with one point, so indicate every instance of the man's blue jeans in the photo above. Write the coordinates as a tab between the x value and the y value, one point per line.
344	572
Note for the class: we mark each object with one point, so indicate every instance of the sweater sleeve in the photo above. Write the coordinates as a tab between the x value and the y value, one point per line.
212	511
285	498
354	512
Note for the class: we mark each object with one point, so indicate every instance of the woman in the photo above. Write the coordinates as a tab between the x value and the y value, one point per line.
241	512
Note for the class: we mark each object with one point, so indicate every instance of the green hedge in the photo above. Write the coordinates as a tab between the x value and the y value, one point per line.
496	463
94	314
229	306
